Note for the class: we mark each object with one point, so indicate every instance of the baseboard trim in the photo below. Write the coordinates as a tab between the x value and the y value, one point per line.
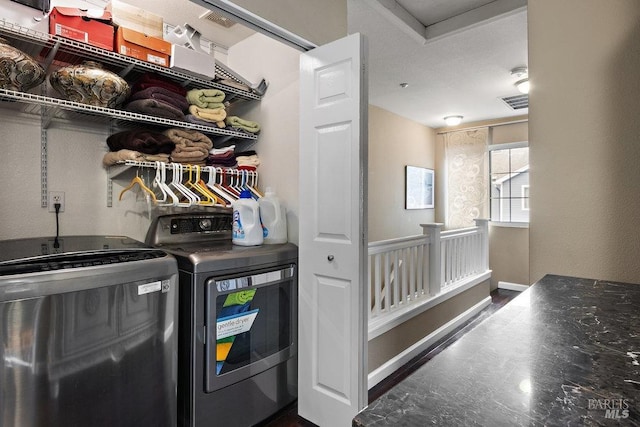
512	286
403	358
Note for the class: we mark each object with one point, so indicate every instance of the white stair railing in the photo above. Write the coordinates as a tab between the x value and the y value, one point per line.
401	273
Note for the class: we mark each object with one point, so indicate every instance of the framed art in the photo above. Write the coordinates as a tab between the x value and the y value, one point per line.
418	187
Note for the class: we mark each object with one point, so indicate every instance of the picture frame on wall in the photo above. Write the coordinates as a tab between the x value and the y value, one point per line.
419	187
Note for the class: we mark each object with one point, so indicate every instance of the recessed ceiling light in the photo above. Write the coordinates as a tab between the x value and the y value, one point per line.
453	120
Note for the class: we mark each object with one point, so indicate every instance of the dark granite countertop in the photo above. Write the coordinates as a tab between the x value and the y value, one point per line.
565	352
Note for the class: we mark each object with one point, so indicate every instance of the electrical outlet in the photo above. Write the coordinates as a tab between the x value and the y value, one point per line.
56	197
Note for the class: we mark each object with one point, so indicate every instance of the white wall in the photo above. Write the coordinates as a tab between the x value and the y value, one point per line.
583	127
254	58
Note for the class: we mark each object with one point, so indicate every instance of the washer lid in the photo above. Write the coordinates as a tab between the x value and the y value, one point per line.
45	247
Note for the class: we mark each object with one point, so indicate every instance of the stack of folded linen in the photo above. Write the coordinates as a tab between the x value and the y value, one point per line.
157	96
206	107
222	157
113	157
191	147
248	160
238	123
138	144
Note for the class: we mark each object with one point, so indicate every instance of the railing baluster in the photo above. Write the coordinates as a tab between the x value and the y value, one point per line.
403	271
378	286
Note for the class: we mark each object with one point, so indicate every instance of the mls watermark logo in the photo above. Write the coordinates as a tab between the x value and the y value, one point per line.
615	409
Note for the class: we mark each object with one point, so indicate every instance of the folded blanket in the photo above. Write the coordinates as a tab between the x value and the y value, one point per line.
113	157
247	125
206	98
202	152
150	80
164	95
193	119
141	140
214	115
248	160
188	138
155	108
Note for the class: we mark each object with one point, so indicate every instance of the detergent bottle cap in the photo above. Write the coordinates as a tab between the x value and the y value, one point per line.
269	192
245	194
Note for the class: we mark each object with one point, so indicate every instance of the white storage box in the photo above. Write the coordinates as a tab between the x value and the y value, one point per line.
191	62
24	16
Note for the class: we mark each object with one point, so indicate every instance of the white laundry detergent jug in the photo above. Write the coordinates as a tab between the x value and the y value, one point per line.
274	218
247	230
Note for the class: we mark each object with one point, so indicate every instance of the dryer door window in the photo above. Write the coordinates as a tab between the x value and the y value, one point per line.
250	324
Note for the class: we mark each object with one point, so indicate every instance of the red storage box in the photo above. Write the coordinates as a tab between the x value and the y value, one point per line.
141	46
88	26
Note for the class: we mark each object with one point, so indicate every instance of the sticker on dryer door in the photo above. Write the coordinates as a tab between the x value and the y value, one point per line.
236	324
147	288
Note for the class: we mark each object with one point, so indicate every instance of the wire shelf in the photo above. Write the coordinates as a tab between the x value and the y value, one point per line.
38	44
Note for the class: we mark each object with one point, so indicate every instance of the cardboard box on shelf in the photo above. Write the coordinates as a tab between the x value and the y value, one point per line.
141	46
191	62
135	18
92	26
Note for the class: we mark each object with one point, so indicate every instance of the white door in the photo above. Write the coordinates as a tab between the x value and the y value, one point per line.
332	373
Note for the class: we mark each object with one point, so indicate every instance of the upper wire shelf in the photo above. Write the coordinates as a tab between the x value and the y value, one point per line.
33	42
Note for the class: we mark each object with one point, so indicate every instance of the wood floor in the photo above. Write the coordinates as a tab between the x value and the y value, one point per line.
288	417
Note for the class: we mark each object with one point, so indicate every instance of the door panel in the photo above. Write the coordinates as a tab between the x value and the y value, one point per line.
332	334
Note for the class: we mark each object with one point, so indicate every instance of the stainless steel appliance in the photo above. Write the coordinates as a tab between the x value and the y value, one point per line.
238	321
87	333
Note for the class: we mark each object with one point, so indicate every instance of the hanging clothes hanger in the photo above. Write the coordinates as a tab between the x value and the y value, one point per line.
204	189
226	185
162	184
212	183
140	182
176	182
252	185
192	184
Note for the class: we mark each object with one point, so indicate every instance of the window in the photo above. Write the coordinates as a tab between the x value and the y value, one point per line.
509	171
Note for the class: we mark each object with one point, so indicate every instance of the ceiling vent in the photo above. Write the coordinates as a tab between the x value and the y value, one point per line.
218	19
516	102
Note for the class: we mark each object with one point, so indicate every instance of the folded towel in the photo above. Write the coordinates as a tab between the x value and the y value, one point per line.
183	151
247	125
193	119
155	108
141	140
188	138
164	95
113	157
150	80
206	98
248	161
214	115
223	150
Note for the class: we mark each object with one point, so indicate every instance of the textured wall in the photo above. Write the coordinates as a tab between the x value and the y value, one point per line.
583	126
395	142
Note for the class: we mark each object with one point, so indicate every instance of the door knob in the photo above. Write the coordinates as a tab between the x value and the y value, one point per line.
330	258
